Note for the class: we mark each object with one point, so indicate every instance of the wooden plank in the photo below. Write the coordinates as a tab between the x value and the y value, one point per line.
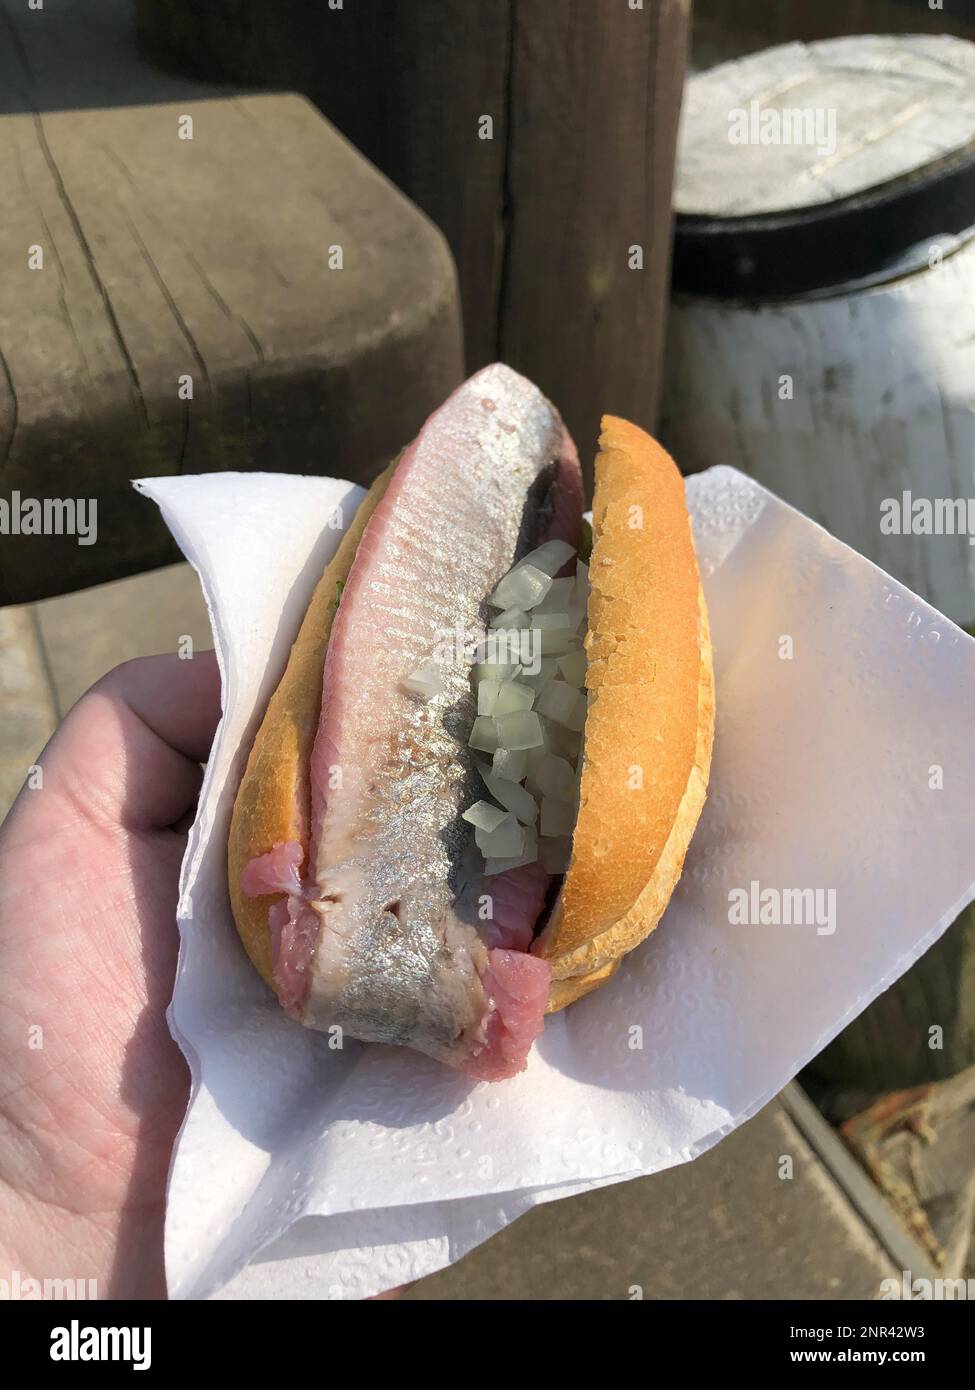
406	84
726	28
595	100
207	257
584	102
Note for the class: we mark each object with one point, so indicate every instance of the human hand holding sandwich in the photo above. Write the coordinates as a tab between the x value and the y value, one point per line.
93	1086
89	861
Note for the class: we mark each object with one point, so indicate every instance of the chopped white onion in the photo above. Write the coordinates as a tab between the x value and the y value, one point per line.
556	777
528	855
557	818
522	729
512	796
511	766
496	671
487	696
559	597
484	734
511	617
557	641
483	815
581	599
505	840
530	721
512	696
549	557
564	704
541	677
572	668
522	587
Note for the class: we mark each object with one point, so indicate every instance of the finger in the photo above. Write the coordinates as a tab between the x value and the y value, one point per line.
178	699
128	753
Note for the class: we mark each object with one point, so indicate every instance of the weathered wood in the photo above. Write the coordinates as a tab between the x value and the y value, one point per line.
540	218
840	402
726	28
405	83
596	95
891	1044
917	1146
214	258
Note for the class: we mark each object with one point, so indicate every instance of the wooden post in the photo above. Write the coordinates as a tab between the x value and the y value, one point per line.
538	134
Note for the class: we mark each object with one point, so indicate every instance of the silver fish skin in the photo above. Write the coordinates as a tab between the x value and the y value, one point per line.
396	876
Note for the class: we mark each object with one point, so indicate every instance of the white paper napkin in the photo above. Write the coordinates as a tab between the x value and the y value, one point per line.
303	1172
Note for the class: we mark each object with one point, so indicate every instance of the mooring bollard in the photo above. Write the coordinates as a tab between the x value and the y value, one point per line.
822	330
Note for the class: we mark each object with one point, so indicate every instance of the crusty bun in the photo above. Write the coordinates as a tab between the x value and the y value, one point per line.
274	791
650	722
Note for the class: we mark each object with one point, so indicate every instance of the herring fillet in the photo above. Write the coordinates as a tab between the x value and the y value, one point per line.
393	874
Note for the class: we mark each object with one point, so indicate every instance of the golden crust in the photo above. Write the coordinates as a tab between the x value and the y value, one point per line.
274	786
651	676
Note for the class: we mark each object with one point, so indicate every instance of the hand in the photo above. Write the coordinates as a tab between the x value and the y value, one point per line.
92	1086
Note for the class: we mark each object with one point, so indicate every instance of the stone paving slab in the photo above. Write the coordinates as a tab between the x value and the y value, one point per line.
28	712
87	633
726	1226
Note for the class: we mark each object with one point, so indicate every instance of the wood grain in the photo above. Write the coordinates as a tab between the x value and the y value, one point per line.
584	101
207	257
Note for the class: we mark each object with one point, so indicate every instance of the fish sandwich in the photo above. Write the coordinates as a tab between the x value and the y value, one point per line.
474	787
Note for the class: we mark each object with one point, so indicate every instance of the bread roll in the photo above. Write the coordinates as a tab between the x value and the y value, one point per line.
650	722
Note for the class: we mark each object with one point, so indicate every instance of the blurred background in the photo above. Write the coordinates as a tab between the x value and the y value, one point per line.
276	236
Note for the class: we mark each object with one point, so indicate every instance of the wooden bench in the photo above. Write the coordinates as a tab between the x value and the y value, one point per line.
215	281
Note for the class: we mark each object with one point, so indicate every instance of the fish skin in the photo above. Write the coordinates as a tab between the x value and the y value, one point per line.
394	875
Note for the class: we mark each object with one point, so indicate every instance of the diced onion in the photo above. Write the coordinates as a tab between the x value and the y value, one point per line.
528	855
572	668
541	677
559	598
484	734
496	671
487	696
557	778
483	815
511	697
530	721
557	818
509	765
511	617
522	729
564	704
549	557
557	641
505	840
513	797
522	587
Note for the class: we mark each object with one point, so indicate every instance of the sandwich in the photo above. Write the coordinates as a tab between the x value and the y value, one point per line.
474	786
